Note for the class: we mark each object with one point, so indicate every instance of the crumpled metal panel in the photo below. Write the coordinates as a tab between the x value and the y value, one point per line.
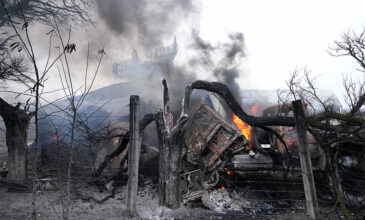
289	135
208	136
255	162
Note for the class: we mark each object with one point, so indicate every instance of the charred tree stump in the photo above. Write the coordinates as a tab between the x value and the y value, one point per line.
170	143
305	160
133	156
163	157
16	122
176	142
123	144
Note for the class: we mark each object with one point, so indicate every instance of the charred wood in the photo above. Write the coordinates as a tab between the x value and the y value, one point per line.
305	160
145	121
163	157
134	152
223	91
171	141
317	122
173	191
91	198
17	185
314	121
123	144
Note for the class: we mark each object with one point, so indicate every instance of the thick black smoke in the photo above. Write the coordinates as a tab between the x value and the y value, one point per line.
220	62
145	22
225	68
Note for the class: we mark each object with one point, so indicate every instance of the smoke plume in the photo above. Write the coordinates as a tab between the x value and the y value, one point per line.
226	68
145	22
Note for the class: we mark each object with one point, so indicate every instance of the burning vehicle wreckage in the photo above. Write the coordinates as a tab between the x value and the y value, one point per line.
214	142
219	144
216	146
206	149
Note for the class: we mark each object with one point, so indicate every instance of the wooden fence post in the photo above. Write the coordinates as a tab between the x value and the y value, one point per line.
134	151
305	160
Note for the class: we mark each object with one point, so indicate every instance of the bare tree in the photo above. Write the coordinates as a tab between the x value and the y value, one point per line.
18	61
43	11
337	130
15	68
332	127
75	102
17	121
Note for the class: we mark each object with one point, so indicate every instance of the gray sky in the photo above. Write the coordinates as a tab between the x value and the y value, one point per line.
281	35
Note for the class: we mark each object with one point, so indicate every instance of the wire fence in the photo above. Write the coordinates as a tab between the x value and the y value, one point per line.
254	194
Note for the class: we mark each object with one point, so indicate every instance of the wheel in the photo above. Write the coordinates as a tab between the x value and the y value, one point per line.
209	179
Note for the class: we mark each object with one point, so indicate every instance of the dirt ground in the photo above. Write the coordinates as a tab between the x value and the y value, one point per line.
19	206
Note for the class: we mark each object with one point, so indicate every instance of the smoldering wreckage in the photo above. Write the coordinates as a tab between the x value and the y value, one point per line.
200	155
215	156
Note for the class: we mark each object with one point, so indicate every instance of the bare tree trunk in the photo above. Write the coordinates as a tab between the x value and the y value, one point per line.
17	152
336	183
67	214
16	142
16	122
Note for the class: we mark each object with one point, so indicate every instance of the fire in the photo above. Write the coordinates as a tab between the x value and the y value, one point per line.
255	110
243	127
231	173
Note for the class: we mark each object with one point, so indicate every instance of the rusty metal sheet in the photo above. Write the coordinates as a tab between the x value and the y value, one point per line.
289	135
209	135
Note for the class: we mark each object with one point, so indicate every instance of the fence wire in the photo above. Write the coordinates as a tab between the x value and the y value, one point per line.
264	194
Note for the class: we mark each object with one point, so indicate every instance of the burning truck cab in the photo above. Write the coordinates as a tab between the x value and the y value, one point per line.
218	141
210	140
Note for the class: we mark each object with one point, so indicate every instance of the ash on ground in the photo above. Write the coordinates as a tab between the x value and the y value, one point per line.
246	202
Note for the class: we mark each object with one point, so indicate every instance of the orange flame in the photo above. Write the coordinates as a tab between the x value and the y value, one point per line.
255	110
230	173
244	128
